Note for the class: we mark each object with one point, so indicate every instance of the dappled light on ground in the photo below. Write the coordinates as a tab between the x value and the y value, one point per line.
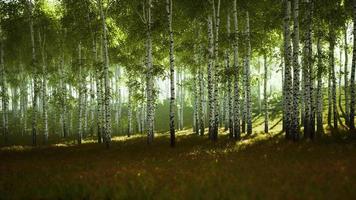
258	166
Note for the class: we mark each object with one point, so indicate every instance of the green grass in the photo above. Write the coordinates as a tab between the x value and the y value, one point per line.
263	166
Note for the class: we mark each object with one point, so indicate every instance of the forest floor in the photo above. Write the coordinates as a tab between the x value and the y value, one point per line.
261	166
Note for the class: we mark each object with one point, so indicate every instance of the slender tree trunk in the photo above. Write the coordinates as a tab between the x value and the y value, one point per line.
230	112
85	106
14	101
236	78
99	105
307	75
182	97
4	95
80	99
259	86
339	84
169	5
179	83
35	77
63	98
296	72
92	103
144	107
333	79
353	68
265	98
119	101
340	78
306	98
150	94
216	75
195	106
329	96
311	70
283	89
23	103
201	102
129	108
243	100
44	88
346	79
210	78
320	129
107	124
70	117
287	70
248	78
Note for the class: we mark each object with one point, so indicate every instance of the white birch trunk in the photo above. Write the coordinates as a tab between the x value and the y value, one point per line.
287	70
4	95
248	78
265	95
150	84
296	72
320	129
35	77
169	5
211	104
107	116
44	88
216	74
80	98
346	79
236	70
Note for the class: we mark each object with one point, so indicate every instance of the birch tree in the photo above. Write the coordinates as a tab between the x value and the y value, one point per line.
80	98
319	99
4	95
201	102
346	77
236	77
169	6
150	95
296	72
107	124
287	69
248	82
44	88
265	95
216	12
35	76
229	82
353	69
210	78
333	77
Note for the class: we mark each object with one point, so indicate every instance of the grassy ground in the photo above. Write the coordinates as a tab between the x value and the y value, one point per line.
258	167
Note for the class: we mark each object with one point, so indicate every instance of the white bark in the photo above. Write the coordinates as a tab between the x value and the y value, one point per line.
230	112
216	74
296	72
150	85
248	78
265	95
236	78
319	102
4	95
44	88
107	117
210	78
287	70
35	77
80	99
169	5
346	79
